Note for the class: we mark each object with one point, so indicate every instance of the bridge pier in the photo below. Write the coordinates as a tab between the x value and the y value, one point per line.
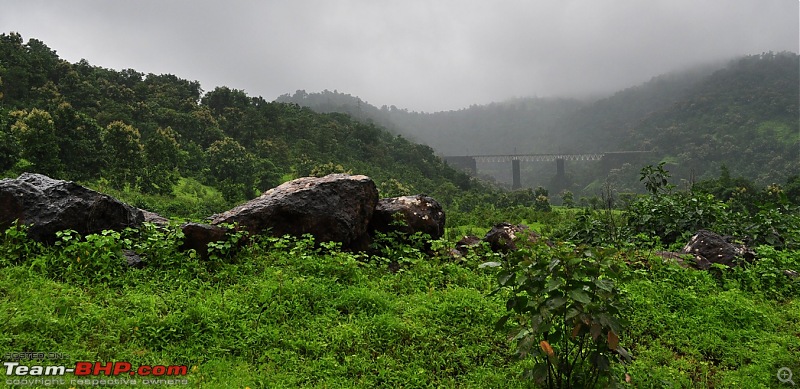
559	168
516	182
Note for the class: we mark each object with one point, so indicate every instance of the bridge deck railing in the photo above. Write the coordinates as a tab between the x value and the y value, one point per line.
545	157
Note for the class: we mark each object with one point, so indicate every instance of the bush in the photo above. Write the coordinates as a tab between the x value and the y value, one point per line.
564	300
674	216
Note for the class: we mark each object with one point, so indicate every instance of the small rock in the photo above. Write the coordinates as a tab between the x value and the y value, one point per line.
133	259
197	236
710	248
465	244
502	236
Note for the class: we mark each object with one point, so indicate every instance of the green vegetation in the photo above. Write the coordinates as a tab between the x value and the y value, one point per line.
590	303
286	312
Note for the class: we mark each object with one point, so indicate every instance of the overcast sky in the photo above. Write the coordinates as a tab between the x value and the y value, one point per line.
424	55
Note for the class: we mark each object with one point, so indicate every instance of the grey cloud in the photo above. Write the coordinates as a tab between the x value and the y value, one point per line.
423	55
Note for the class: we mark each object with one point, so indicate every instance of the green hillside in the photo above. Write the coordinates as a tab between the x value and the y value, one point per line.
155	134
746	116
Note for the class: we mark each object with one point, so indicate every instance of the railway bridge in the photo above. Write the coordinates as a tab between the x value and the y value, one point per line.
609	158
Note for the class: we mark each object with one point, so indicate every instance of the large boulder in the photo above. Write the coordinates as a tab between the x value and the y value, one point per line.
50	205
409	215
337	207
710	248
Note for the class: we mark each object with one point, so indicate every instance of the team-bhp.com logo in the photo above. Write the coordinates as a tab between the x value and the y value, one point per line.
89	371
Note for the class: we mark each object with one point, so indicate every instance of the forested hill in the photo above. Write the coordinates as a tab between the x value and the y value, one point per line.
529	125
496	128
743	114
126	129
746	116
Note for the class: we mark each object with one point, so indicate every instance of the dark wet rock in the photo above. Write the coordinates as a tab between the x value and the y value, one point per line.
337	207
409	215
710	248
465	244
152	217
502	237
197	236
49	205
133	259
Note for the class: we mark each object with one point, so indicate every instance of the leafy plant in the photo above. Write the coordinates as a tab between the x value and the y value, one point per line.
221	251
565	302
593	227
655	179
674	216
93	259
398	250
15	247
541	201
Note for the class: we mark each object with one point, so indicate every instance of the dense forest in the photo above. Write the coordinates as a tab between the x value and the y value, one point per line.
151	133
742	114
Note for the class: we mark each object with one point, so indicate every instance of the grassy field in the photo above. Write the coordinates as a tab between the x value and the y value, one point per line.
286	313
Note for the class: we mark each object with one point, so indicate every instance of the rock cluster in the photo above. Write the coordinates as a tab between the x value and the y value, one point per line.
706	248
336	208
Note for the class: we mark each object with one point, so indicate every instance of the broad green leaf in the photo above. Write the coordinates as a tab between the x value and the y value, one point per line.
505	277
571	313
580	296
556	302
553	284
501	323
605	284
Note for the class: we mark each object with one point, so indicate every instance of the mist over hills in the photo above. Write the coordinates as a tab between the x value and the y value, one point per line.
75	120
742	113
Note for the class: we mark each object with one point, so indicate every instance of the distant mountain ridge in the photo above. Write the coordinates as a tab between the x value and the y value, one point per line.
742	113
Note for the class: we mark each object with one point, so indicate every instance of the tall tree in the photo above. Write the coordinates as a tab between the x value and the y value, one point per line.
80	144
124	154
233	167
164	155
37	136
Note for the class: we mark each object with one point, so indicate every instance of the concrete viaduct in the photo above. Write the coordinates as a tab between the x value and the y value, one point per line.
470	162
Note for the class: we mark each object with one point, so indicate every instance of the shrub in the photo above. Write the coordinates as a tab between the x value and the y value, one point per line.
674	216
564	300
